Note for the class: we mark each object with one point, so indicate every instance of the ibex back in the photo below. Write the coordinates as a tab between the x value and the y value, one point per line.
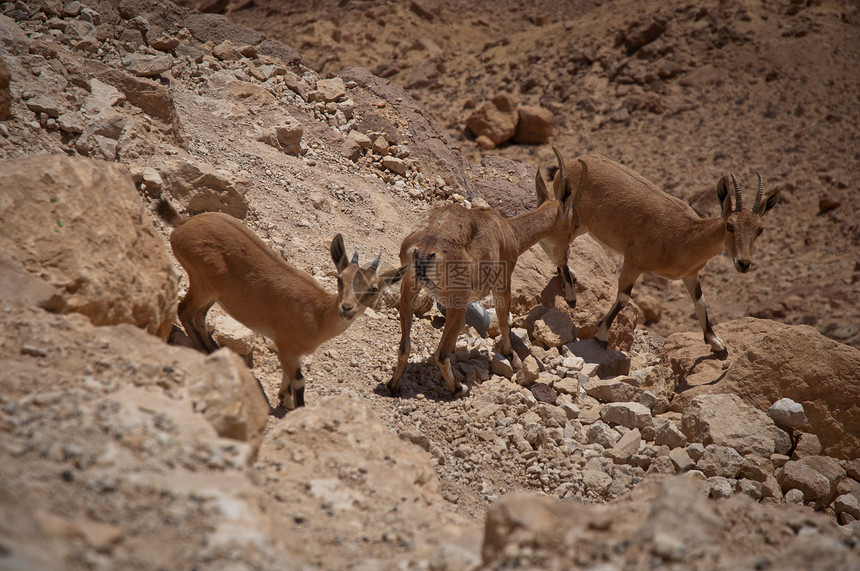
226	262
658	233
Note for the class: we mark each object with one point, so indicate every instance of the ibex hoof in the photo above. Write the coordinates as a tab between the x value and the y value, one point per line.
392	389
722	354
603	344
462	390
571	303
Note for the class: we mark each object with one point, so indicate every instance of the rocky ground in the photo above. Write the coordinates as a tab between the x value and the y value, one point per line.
122	451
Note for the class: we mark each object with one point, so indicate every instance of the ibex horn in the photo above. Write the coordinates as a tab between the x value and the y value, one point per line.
738	203
355	257
758	193
561	168
375	263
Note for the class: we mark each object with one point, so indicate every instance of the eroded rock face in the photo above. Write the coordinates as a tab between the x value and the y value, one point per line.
338	455
725	420
799	363
663	522
130	446
81	226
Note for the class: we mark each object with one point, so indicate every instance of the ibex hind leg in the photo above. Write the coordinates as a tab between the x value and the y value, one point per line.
192	314
568	281
694	287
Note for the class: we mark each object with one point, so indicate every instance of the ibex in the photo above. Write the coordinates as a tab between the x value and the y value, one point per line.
461	255
659	233
226	262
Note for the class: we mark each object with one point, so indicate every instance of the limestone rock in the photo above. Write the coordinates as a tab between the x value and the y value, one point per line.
787	414
529	372
227	394
199	187
612	390
609	362
627	414
795	475
495	119
117	271
554	328
726	420
534	125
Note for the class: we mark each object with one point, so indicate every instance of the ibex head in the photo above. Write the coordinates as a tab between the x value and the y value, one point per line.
743	225
359	288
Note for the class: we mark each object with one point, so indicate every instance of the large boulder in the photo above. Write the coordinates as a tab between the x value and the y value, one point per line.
798	363
200	187
534	125
80	226
495	119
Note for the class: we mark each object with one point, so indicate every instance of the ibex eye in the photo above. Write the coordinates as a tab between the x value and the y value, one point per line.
730	228
339	281
759	231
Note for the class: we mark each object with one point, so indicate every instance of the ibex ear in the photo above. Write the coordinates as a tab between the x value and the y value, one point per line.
723	197
338	254
540	189
391	277
771	201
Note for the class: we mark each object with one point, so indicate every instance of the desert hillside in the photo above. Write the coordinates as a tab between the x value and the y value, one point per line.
123	447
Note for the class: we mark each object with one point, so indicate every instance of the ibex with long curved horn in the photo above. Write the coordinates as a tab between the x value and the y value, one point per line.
461	255
658	233
226	262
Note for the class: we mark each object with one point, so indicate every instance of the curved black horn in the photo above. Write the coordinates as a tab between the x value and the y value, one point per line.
561	168
738	203
758	193
355	257
375	263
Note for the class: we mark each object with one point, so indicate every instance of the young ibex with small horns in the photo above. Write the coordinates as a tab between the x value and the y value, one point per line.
659	233
226	262
462	255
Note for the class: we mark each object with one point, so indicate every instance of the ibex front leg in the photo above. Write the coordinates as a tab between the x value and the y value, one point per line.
694	287
626	281
455	319
408	293
292	391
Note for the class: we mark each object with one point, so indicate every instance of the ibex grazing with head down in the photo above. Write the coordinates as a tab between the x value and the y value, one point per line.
460	256
226	262
659	233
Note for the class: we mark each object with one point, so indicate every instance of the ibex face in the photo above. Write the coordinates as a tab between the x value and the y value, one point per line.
359	288
743	226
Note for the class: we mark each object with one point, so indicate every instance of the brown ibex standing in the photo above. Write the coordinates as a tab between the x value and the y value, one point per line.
226	262
658	233
461	255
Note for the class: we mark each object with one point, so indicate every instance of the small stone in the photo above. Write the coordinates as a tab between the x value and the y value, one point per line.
794	496
544	393
719	487
788	414
797	475
568	386
681	459
600	433
529	372
143	65
847	503
629	442
501	366
807	445
627	414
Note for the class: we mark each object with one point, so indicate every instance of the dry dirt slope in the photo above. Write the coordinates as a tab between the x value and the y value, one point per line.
306	499
682	92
